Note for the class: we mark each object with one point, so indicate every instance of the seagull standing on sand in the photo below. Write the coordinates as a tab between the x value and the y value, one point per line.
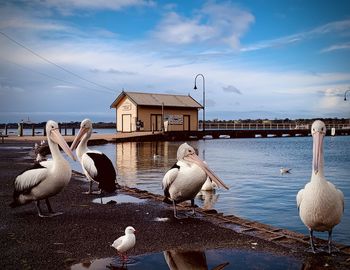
97	166
46	178
185	179
125	242
320	203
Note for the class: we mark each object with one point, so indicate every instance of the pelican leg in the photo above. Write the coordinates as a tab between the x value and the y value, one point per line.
193	207
40	213
90	189
330	241
175	212
312	240
49	208
89	192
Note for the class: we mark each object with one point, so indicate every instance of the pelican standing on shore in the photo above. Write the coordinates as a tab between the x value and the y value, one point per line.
320	203
186	178
97	166
46	178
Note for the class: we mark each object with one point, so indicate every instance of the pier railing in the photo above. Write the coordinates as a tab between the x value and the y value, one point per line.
265	126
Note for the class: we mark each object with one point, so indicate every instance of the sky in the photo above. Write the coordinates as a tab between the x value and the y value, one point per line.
67	60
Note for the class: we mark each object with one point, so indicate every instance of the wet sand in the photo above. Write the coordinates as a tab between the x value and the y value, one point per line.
86	229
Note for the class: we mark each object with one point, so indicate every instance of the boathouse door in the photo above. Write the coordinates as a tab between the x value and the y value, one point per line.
186	123
156	122
126	122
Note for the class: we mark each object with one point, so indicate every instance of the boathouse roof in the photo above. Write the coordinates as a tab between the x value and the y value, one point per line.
151	99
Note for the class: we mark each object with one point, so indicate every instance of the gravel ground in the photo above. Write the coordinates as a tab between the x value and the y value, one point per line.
86	229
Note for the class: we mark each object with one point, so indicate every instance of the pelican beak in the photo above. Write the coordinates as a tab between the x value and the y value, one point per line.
56	136
194	158
317	151
81	133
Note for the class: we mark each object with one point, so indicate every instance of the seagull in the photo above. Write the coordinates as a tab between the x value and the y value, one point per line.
47	178
285	170
97	166
186	178
125	242
320	203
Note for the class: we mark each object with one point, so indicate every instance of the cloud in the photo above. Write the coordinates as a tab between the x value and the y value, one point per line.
232	89
336	47
112	71
213	23
67	6
329	28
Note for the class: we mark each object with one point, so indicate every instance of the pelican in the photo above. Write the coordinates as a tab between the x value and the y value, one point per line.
185	179
97	166
125	242
46	178
320	203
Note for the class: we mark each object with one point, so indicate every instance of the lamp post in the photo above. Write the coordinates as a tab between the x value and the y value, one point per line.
195	87
345	94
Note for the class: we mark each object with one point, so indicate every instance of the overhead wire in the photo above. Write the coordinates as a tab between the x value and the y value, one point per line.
53	77
54	64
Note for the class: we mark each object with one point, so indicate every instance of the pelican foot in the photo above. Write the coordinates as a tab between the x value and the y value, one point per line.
50	215
97	192
331	250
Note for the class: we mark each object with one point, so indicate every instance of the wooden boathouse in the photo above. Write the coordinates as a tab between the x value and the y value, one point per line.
136	111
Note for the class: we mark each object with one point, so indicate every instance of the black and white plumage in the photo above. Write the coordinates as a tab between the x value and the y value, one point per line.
126	242
97	166
320	203
186	178
47	178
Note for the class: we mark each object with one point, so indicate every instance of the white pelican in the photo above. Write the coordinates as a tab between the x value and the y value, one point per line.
96	166
320	203
46	178
185	179
125	242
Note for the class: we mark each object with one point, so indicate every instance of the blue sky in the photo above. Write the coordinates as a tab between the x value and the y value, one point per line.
260	59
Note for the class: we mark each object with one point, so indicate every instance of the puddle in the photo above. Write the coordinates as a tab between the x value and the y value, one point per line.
210	259
120	198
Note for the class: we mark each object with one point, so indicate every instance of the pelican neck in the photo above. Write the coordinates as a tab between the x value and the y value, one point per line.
82	147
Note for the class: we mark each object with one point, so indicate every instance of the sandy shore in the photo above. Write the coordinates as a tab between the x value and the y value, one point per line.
86	229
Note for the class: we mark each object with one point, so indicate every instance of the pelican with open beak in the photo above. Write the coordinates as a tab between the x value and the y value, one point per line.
186	178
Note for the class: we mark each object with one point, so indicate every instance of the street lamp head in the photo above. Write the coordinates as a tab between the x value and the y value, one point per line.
195	87
344	98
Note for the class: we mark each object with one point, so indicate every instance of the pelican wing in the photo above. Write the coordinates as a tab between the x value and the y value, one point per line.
28	179
101	169
89	165
339	192
341	195
300	197
169	178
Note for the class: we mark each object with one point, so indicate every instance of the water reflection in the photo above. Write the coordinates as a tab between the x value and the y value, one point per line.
208	198
179	259
216	259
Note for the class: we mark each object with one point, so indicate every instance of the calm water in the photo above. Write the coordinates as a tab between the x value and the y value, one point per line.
251	168
210	259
